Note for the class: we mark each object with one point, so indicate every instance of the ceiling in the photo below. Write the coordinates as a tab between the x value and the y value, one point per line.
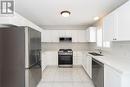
47	12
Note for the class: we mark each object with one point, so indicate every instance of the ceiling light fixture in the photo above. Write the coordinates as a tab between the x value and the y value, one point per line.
96	18
65	13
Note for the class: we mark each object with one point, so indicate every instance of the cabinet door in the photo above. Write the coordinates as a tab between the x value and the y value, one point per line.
77	58
87	35
46	36
68	33
74	36
124	22
89	66
54	36
81	36
108	27
50	58
61	33
112	78
93	33
116	25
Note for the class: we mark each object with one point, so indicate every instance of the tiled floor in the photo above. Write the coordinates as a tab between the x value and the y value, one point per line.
65	77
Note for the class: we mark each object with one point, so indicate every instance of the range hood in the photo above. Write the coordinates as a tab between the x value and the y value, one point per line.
65	39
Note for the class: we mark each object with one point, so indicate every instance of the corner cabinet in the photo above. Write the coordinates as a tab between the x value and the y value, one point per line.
91	34
116	25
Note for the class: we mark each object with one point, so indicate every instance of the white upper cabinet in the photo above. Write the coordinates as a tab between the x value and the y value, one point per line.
91	34
53	35
81	36
123	15
46	36
116	25
50	36
68	33
109	26
74	36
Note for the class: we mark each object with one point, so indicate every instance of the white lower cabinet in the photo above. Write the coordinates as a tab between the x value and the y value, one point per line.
77	57
87	64
77	60
50	58
112	78
84	63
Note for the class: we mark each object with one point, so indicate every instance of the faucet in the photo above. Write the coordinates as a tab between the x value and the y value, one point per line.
99	50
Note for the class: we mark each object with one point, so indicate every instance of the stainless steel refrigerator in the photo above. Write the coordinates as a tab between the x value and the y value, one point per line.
20	57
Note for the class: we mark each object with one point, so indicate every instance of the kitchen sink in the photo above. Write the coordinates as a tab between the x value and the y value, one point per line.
95	54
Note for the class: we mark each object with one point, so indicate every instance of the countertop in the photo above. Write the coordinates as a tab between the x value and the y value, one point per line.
122	65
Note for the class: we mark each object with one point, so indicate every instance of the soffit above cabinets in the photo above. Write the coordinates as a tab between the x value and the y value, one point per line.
47	12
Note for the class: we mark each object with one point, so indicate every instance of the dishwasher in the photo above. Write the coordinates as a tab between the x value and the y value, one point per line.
97	73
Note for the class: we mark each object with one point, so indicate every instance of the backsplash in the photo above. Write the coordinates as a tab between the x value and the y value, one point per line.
118	49
57	46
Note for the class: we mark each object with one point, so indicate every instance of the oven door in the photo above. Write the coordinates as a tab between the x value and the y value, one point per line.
65	60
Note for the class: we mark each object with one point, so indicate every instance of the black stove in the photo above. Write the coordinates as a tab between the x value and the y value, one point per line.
65	58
